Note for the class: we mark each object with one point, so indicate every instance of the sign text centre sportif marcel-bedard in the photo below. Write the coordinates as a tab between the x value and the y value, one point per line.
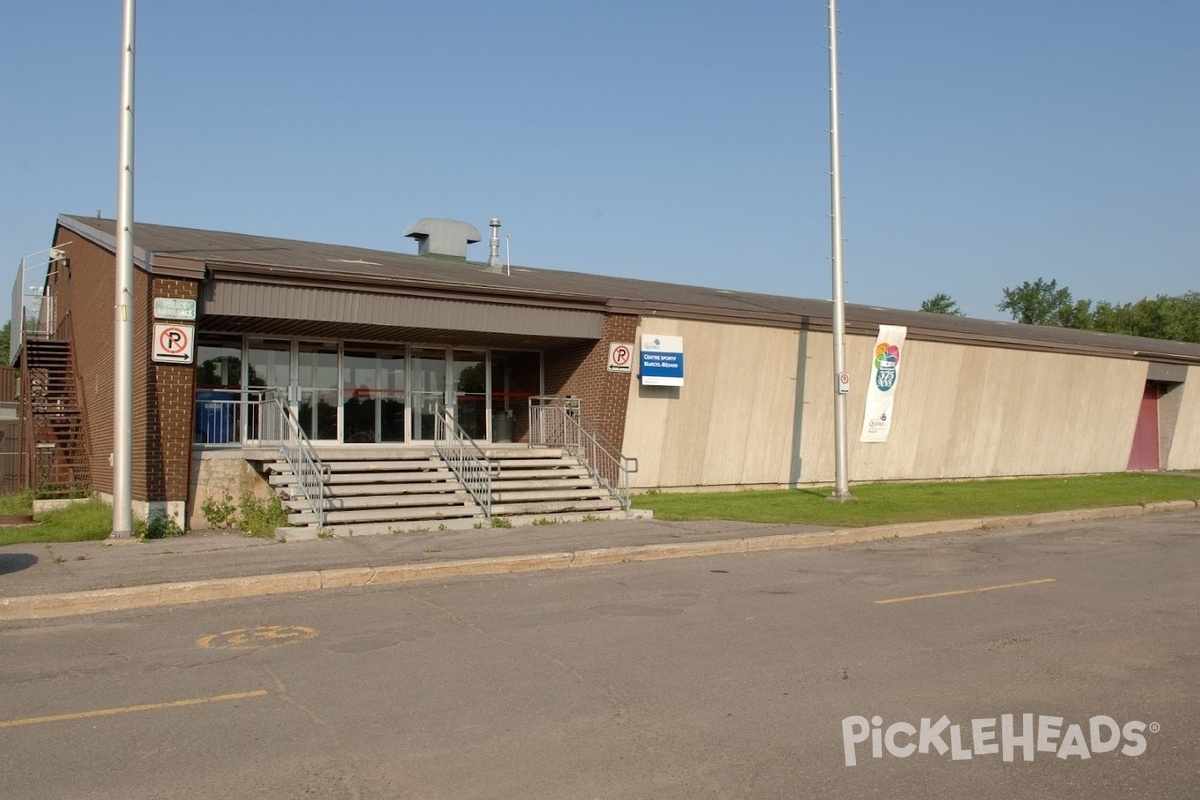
661	360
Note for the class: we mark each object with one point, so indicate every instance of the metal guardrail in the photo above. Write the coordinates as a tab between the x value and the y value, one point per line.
465	458
557	422
233	417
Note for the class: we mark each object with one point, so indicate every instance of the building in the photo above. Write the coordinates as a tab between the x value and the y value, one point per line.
368	352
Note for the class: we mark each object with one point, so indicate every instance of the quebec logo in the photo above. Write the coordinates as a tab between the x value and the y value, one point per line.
887	359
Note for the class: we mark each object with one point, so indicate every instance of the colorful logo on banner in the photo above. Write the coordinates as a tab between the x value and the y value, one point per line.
881	392
887	358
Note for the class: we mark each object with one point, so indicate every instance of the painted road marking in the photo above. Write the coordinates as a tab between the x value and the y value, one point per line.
958	592
109	712
253	638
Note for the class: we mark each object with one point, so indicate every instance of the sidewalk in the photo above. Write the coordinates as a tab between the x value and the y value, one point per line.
50	580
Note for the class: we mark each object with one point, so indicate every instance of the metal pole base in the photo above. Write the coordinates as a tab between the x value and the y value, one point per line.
841	497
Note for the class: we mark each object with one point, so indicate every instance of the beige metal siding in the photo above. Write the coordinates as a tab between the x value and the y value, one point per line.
731	422
1185	438
960	411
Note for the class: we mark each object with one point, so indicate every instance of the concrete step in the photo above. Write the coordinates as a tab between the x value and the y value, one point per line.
383	465
536	463
503	497
385	515
553	507
385	501
566	471
400	527
371	478
565	482
388	489
518	454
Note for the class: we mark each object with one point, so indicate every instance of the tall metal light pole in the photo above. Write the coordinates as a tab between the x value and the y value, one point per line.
123	333
841	489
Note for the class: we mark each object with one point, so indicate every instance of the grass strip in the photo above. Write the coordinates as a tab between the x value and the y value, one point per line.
887	503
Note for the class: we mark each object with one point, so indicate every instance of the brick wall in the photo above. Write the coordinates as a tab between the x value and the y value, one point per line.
162	393
163	402
87	298
582	370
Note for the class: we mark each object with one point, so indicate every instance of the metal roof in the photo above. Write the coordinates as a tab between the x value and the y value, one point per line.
258	258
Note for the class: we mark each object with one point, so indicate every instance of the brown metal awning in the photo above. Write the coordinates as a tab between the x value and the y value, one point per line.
235	306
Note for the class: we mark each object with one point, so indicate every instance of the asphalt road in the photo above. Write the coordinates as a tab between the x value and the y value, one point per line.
733	676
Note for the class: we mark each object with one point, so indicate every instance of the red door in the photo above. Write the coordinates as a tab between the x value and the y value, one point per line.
1144	454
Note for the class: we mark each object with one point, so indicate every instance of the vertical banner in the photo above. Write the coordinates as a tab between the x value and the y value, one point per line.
885	374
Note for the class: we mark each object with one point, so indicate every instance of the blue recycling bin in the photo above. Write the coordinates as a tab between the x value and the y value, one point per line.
216	417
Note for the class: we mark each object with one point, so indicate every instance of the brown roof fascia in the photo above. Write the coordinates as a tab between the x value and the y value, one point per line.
177	267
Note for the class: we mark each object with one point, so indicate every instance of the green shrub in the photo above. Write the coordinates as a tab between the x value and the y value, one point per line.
259	517
159	526
220	513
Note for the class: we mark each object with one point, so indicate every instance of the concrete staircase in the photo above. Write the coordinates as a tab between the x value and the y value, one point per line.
546	483
411	489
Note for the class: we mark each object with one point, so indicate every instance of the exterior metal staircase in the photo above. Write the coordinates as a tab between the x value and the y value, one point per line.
58	461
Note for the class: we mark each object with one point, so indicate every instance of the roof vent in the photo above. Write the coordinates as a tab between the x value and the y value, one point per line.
494	247
447	238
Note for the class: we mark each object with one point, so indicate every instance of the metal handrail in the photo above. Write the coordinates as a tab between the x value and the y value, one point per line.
465	458
237	417
281	429
557	422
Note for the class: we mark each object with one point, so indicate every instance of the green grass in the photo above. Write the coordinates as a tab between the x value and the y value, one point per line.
20	503
880	503
79	522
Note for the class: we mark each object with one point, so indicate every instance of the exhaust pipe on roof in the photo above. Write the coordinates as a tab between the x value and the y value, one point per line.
494	245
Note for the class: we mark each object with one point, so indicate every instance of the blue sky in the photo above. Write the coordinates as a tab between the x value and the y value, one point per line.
984	144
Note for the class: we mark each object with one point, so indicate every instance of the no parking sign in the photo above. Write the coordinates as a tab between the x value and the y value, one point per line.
173	342
620	357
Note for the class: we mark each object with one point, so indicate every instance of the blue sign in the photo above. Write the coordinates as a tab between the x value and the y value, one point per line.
662	360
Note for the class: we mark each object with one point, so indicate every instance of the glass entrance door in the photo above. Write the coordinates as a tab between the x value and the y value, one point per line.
268	366
317	387
373	396
427	390
470	392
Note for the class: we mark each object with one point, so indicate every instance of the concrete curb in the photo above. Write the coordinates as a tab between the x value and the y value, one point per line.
50	606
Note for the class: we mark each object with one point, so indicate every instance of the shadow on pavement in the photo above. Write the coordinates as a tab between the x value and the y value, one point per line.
15	562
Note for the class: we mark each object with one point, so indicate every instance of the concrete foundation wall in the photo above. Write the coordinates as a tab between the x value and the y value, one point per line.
223	477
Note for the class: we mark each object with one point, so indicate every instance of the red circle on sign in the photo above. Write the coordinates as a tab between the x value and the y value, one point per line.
173	340
621	355
844	377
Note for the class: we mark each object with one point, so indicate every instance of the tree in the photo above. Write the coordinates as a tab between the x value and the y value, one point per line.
1039	303
941	303
1176	318
5	338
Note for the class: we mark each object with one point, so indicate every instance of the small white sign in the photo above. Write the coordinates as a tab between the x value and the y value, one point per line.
620	357
843	383
173	342
167	308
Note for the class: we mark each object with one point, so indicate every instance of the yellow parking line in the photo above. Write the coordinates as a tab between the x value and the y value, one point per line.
962	591
108	712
